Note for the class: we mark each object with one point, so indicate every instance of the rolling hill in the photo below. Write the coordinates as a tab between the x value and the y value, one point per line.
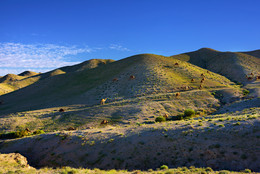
223	132
233	65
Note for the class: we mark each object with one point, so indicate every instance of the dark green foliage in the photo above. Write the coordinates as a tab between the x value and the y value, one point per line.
38	132
12	135
160	119
19	134
189	113
245	92
178	117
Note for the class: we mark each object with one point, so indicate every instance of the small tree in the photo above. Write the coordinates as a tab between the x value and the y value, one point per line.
160	119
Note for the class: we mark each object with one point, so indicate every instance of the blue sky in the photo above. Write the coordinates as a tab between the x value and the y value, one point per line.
41	35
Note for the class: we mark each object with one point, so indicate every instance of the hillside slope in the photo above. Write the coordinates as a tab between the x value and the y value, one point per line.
151	93
233	65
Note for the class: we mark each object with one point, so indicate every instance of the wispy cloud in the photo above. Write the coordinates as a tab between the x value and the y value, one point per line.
118	47
17	56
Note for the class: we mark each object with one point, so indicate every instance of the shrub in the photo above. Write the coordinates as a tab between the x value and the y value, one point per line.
178	117
160	119
245	92
21	133
189	113
164	167
246	171
38	132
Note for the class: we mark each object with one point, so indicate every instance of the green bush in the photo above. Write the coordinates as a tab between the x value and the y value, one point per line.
160	119
21	133
38	132
178	117
189	113
164	167
246	171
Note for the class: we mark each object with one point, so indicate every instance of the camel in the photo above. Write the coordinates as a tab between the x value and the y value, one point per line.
201	81
132	77
202	75
207	71
27	130
104	122
176	64
192	80
200	87
61	110
115	79
166	116
177	94
102	101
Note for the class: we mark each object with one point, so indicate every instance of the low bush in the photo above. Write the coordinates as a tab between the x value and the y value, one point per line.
160	119
189	113
245	92
38	132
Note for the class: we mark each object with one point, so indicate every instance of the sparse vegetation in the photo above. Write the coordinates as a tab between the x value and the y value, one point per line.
127	137
245	92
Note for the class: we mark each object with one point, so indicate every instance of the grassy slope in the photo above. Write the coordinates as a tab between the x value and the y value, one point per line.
226	141
151	94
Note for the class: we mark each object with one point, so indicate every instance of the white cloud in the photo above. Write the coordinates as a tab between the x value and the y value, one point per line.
17	56
118	47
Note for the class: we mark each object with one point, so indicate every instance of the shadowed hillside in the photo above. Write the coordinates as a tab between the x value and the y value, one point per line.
12	82
255	53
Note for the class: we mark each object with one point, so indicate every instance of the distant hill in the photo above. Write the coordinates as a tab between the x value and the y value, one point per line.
28	73
233	65
12	82
255	53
